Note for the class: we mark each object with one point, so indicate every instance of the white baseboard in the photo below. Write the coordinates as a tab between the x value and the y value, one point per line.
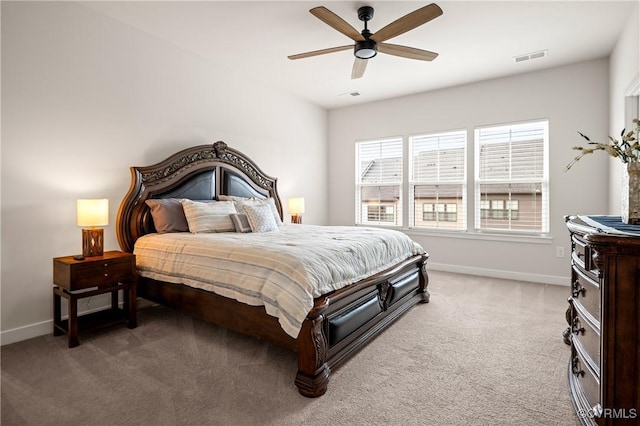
38	329
496	273
26	332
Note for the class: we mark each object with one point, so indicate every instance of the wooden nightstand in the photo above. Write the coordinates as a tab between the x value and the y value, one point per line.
77	279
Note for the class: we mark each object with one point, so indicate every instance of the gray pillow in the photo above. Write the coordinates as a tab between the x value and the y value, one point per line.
240	222
168	215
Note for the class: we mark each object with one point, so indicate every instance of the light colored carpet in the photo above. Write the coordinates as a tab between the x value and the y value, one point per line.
483	352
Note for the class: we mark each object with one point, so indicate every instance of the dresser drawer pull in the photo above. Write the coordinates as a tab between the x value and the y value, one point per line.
575	327
106	275
577	289
575	367
106	264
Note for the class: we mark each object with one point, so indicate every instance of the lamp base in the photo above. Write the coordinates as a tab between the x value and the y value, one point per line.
296	218
92	242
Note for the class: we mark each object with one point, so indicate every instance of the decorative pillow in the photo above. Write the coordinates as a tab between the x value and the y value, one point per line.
168	215
260	218
240	222
208	217
270	202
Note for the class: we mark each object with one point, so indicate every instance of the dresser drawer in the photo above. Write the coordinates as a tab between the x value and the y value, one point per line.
582	256
585	335
586	292
586	380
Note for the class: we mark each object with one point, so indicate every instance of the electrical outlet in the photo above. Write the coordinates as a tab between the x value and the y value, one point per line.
560	251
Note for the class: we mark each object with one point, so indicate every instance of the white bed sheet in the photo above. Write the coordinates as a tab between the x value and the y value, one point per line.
282	270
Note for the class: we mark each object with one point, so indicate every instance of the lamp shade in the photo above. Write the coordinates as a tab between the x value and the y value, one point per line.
94	212
296	205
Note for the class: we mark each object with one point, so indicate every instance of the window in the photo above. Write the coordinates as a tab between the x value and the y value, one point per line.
379	182
439	212
437	183
379	213
511	178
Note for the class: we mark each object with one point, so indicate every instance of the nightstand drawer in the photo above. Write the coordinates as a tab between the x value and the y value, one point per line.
109	272
111	268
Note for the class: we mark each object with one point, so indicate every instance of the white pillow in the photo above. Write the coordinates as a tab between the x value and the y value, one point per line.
208	217
240	205
260	218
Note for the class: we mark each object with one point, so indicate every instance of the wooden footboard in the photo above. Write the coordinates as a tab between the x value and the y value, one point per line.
344	321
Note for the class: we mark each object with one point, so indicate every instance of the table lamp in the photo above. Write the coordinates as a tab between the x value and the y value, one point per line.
91	214
296	208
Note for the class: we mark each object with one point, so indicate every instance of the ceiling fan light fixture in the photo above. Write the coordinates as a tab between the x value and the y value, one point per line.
365	49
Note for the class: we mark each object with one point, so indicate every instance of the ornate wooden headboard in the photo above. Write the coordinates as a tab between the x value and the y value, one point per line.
199	173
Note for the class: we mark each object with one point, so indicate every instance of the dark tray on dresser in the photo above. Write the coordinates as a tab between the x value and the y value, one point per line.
604	323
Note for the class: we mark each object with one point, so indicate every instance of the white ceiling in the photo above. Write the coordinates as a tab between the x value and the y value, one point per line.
476	40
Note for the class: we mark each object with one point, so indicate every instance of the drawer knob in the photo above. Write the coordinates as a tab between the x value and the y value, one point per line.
575	367
577	289
106	275
106	264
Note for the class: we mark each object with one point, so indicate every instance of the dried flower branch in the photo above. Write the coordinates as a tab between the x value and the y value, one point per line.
627	149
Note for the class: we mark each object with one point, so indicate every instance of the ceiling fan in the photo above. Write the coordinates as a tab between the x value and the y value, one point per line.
368	44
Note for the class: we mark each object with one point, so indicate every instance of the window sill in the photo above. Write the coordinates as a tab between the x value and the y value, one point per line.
486	236
471	235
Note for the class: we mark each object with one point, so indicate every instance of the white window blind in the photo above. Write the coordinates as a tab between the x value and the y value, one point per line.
437	180
379	182
511	178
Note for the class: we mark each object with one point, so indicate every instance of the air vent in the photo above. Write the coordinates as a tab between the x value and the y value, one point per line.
533	55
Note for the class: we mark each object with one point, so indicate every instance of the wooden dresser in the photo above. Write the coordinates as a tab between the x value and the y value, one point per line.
604	324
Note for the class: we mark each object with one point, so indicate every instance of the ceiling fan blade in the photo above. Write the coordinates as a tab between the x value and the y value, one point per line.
358	68
406	52
336	22
320	52
407	22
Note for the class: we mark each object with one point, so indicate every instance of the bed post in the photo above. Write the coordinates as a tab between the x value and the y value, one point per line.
424	281
313	372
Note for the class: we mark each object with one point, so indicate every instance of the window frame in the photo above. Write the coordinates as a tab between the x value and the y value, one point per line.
362	208
441	220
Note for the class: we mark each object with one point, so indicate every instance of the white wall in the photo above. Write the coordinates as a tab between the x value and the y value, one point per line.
624	69
84	98
573	97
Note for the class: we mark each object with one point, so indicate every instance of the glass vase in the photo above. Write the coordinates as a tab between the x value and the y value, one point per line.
631	194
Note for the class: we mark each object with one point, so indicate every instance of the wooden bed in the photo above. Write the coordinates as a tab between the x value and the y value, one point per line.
340	322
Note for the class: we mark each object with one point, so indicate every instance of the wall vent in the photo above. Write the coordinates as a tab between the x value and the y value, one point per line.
529	56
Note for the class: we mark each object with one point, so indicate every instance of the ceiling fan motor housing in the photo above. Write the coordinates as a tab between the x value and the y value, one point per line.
365	49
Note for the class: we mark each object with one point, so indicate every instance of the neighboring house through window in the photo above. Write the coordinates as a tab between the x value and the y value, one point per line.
379	182
437	182
511	178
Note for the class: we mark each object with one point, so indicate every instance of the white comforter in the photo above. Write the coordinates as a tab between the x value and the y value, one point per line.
283	270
